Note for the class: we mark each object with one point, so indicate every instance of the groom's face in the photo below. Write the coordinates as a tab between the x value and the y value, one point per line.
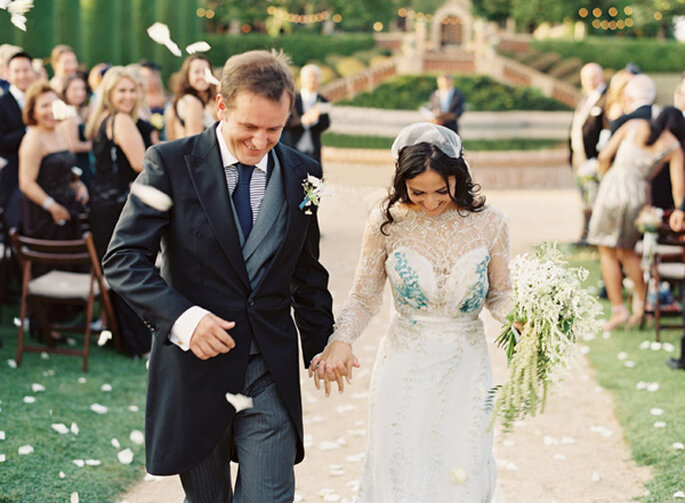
253	124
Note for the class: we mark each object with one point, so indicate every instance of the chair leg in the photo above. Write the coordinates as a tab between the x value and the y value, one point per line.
86	335
22	315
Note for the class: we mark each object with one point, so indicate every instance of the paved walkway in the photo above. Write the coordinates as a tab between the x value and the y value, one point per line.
574	453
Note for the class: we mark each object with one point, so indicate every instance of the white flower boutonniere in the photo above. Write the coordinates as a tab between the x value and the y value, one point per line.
314	189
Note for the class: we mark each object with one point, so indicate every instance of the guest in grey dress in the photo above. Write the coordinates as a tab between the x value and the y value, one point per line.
641	148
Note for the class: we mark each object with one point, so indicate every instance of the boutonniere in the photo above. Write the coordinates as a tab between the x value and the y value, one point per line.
314	188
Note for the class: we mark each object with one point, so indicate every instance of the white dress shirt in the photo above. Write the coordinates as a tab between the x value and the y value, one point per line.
19	96
184	326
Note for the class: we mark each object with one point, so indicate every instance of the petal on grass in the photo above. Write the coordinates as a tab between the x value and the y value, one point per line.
3	458
115	443
98	409
62	475
105	336
73	498
60	428
93	462
29	399
74	428
79	462
106	387
25	449
12	364
656	411
125	457
37	388
137	437
678	446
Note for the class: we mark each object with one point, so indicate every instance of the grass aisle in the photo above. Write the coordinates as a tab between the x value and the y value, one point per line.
68	396
628	365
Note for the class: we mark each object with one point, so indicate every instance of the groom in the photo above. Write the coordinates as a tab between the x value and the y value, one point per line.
238	254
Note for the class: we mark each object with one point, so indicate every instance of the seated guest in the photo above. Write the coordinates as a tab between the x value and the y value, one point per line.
12	129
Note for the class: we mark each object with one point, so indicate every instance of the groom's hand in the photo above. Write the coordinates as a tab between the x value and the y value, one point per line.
210	337
335	363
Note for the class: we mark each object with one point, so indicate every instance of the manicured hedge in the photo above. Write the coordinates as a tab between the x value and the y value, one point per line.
301	47
482	94
650	55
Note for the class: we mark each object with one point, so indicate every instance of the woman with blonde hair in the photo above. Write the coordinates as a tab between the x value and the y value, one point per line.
615	106
192	107
119	149
64	63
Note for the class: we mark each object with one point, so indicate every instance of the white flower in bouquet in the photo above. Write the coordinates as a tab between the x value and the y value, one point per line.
554	311
314	190
589	170
649	219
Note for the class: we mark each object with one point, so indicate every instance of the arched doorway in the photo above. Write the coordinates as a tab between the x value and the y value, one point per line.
451	31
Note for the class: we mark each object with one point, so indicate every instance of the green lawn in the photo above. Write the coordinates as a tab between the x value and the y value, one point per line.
67	399
384	143
649	445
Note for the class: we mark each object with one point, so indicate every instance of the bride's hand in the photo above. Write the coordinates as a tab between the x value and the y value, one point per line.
336	362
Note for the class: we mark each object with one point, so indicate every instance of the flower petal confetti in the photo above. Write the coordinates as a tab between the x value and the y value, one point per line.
151	196
2	435
125	457
660	424
62	475
3	458
98	409
79	462
210	78
106	387
74	498
74	428
200	46
60	428
115	443
656	411
458	475
133	408
37	388
29	399
62	111
82	380
25	449
93	462
238	401
159	32
678	446
678	495
137	437
105	336
12	364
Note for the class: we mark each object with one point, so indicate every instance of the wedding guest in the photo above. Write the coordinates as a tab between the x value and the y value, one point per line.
238	255
445	254
149	133
118	148
95	80
193	101
307	121
447	103
586	126
641	148
6	52
156	97
76	94
20	75
64	63
679	95
615	105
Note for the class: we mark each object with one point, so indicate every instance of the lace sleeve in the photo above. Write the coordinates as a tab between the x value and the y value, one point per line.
498	300
365	297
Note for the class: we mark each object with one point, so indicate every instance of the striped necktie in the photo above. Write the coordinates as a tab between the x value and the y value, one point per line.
241	198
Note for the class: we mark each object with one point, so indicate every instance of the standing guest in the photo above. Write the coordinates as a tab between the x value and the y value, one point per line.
641	148
588	122
193	100
307	122
118	148
156	97
20	75
238	255
6	52
615	105
149	133
95	80
73	128
679	95
54	195
446	103
64	63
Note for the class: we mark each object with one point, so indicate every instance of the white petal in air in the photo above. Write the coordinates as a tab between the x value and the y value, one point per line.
20	6
238	401
105	335
125	457
61	110
200	46
210	78
19	20
174	48
159	32
4	4
151	196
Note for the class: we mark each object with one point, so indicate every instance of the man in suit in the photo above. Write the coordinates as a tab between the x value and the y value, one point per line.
237	254
309	118
588	121
446	103
20	75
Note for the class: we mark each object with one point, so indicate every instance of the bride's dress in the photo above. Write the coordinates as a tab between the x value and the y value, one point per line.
428	437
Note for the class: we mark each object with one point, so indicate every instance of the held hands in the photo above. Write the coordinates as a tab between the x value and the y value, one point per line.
210	337
334	364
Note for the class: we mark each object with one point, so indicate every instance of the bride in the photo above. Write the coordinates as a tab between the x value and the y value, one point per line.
446	255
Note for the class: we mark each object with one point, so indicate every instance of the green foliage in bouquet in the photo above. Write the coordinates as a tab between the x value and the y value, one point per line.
553	311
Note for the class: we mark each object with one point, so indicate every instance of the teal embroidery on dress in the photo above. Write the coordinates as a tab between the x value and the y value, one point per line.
478	289
408	292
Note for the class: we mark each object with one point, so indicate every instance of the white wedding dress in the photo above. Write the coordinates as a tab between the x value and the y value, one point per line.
428	438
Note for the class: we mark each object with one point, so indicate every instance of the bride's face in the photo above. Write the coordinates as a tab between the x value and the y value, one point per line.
429	192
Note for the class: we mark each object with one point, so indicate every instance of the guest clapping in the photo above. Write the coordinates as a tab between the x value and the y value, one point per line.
193	107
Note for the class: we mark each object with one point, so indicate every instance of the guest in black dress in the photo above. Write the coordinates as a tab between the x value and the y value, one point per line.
118	148
76	94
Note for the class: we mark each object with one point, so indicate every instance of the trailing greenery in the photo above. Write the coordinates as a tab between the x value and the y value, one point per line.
482	94
302	48
35	477
650	55
649	445
385	142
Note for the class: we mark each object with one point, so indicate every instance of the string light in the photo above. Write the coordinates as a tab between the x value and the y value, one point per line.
596	12
658	16
583	12
613	11
628	10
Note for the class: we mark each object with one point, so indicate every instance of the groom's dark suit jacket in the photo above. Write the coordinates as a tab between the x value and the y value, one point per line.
187	412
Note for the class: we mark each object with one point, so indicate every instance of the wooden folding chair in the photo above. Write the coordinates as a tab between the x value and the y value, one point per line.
62	286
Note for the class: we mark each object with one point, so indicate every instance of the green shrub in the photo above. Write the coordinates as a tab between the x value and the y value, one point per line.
349	66
482	94
301	47
650	55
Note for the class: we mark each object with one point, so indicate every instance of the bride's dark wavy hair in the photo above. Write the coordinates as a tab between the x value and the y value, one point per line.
416	159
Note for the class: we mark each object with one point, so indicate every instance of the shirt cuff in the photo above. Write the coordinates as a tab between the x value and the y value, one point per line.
185	325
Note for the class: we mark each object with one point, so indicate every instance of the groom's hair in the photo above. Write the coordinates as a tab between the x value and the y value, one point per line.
265	73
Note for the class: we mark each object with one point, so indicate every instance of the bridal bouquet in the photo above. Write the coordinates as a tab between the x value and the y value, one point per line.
554	311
